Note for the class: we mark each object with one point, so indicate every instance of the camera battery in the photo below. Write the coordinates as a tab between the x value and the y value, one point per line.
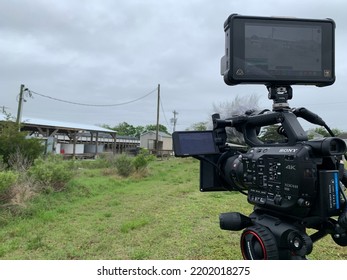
329	192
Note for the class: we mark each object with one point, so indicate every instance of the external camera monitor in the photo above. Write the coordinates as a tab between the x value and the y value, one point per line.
278	51
192	143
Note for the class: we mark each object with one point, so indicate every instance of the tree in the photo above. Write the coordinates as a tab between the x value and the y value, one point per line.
13	142
139	130
270	134
125	129
199	126
153	127
322	131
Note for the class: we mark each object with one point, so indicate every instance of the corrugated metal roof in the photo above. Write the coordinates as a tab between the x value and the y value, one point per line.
61	124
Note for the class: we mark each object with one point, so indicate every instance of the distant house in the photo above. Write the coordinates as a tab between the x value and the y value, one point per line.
147	141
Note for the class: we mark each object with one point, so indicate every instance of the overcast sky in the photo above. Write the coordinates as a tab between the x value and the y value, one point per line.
111	52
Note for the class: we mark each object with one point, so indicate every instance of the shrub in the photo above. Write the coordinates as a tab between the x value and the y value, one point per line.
19	162
3	165
142	160
12	141
19	193
52	172
7	179
124	165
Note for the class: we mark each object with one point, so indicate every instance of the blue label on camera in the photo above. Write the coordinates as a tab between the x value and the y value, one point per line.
336	184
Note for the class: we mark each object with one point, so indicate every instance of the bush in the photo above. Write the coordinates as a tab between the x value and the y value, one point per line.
52	172
19	162
3	165
124	165
12	141
7	179
142	160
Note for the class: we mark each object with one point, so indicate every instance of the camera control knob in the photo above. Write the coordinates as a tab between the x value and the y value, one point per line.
303	203
278	199
300	243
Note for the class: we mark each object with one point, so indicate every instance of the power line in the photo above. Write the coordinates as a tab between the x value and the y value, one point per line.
92	105
163	111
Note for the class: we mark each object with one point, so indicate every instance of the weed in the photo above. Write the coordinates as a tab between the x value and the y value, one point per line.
140	255
124	165
133	224
35	243
52	172
142	160
7	179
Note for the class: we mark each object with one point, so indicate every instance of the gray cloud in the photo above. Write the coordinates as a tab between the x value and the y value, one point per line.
113	51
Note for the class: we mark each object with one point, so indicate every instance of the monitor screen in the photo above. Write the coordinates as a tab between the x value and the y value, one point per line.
190	143
278	51
283	50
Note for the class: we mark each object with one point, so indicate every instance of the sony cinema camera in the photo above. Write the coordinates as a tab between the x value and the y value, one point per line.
294	183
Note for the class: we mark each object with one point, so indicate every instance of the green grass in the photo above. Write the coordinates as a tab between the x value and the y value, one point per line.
103	216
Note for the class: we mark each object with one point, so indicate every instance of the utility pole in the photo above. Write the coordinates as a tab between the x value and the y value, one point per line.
174	120
20	105
157	131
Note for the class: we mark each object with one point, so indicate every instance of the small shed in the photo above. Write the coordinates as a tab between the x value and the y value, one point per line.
147	141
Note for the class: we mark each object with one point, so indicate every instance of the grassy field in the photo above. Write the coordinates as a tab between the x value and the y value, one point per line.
160	216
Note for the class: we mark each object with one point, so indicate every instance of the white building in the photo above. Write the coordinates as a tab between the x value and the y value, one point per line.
147	141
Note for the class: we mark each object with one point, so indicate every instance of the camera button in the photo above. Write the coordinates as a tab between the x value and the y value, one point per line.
278	200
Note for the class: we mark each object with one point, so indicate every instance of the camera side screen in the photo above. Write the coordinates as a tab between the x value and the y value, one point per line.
191	143
277	51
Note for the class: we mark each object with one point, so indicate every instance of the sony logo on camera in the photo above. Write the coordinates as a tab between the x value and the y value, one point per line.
287	150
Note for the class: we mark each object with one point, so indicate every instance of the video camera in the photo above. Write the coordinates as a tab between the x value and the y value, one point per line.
294	183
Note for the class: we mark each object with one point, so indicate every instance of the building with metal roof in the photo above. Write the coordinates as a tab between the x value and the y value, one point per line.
75	139
164	145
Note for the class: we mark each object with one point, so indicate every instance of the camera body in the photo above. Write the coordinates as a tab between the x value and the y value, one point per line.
298	181
293	183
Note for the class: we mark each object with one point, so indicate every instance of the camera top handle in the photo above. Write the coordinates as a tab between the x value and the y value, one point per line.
249	124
